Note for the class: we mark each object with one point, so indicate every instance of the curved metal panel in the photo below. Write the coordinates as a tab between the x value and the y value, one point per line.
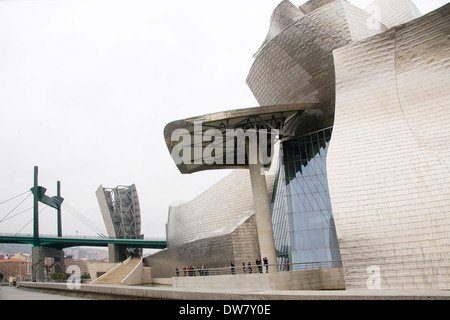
388	163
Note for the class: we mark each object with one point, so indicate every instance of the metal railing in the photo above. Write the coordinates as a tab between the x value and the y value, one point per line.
254	268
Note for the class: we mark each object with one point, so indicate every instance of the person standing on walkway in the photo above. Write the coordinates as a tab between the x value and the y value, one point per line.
232	267
258	263
266	263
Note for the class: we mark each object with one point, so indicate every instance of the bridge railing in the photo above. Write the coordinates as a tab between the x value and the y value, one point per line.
71	236
254	268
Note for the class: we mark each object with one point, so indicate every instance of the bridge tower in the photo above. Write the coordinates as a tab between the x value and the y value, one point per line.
122	216
38	252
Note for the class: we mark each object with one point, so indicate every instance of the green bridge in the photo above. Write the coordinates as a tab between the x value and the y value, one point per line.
61	243
52	246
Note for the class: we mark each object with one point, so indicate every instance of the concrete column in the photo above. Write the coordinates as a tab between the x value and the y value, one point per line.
262	213
117	253
38	255
37	264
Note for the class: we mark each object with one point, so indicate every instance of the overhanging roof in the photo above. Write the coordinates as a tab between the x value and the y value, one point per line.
195	133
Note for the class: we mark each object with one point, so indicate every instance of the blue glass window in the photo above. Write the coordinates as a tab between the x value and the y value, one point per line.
302	217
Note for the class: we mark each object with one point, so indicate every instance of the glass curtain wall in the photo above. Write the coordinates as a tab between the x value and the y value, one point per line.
304	230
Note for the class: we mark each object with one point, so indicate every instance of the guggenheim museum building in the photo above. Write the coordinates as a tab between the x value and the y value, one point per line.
345	163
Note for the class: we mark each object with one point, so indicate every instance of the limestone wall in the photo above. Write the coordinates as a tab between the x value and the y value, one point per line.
317	279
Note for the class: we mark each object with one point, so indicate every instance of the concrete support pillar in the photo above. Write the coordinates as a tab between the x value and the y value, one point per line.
38	255
37	265
262	213
117	253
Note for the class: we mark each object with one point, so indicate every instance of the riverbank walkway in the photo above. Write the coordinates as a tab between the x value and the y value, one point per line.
18	293
55	291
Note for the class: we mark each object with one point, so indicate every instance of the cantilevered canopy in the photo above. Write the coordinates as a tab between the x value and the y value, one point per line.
233	139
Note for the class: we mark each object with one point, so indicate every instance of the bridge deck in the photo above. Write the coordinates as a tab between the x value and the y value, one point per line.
61	243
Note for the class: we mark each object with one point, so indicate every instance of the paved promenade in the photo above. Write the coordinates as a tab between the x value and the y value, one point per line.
218	304
106	292
17	293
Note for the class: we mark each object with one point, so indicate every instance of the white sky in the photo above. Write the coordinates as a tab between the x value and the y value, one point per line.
86	88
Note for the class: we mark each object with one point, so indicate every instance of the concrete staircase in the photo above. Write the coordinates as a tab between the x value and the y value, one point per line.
119	273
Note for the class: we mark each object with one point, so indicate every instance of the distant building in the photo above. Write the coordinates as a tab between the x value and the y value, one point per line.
17	265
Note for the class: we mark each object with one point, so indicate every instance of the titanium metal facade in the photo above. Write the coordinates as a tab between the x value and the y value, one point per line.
393	13
375	194
295	63
389	158
387	164
214	228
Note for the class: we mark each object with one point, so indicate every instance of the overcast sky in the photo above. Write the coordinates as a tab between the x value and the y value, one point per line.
86	88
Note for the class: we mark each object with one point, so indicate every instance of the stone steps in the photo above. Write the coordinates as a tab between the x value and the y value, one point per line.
119	274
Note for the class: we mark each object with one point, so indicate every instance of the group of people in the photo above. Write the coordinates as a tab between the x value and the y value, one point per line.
204	270
248	267
191	271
